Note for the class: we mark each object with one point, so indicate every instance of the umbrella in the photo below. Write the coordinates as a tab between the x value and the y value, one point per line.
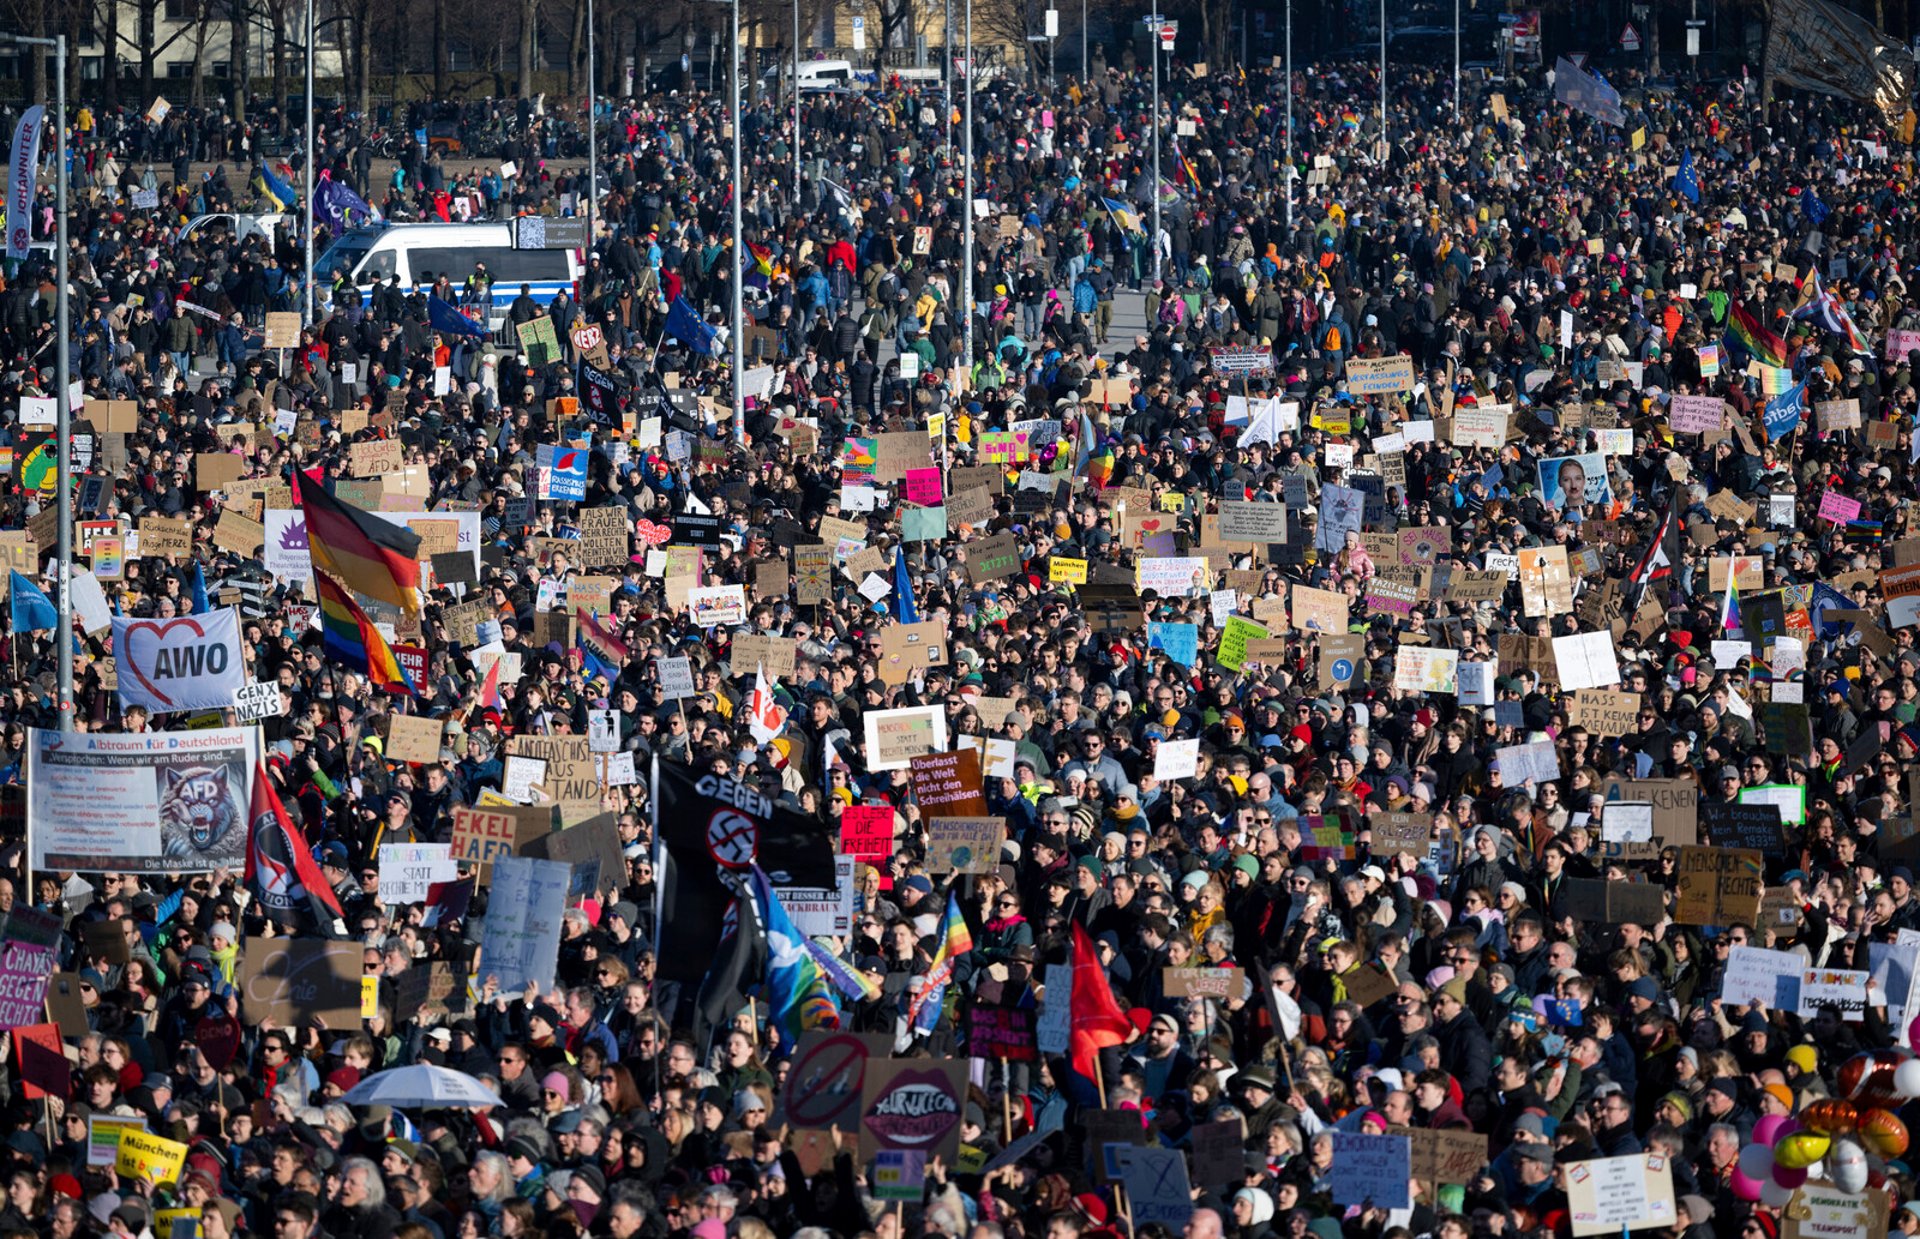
421	1086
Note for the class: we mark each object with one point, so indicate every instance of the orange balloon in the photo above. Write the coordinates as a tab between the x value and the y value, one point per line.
1883	1133
1830	1116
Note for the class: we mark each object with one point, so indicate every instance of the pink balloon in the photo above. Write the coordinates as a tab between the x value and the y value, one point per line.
1771	1127
1788	1177
1745	1188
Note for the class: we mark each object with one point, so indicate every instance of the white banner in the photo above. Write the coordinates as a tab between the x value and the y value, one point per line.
286	554
20	169
409	870
158	802
191	662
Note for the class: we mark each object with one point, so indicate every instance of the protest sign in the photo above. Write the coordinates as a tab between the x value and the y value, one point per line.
1157	1186
521	938
1005	1033
1755	974
143	1155
1718	886
913	1104
895	737
964	844
1371	1170
409	870
1844	989
1611	1195
1443	1155
173	802
190	662
103	1136
291	980
827	1080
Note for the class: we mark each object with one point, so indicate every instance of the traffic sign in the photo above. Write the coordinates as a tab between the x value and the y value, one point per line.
1630	38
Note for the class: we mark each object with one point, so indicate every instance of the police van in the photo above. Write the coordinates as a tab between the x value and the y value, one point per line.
421	253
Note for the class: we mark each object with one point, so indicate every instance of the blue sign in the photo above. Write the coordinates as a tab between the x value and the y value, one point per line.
563	472
1180	641
1342	669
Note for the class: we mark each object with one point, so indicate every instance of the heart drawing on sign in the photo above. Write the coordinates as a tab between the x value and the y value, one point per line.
652	534
159	632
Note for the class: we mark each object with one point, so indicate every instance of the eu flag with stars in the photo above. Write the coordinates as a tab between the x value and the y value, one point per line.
1686	181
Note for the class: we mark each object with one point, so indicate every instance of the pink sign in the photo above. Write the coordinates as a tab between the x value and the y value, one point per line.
923	487
1900	343
1838	508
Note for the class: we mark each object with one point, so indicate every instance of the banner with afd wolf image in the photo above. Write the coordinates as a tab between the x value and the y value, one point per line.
162	802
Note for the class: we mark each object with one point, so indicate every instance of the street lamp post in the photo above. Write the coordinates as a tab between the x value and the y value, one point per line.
739	247
1153	50
62	377
966	206
307	167
593	132
1286	182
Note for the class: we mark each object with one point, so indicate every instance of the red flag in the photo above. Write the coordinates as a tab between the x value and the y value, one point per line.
1096	1020
281	872
490	687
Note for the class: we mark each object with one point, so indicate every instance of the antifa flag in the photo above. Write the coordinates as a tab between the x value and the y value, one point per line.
599	394
706	820
739	964
280	870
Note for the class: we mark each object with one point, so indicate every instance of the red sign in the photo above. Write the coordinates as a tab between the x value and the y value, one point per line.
413	659
866	833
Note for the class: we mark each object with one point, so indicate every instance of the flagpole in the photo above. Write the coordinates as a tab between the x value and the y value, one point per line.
307	205
659	855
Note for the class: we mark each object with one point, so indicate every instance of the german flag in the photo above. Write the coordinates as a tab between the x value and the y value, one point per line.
368	555
351	639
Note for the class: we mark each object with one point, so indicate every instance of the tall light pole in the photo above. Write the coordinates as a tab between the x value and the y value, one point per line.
593	135
739	248
796	105
312	148
1383	81
1456	61
62	378
1286	180
966	208
1153	50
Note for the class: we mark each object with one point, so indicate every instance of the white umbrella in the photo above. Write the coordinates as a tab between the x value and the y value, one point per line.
421	1086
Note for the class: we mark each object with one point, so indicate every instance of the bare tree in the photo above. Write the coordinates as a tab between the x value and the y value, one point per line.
238	46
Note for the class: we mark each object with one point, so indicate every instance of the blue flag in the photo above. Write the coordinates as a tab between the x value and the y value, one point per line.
31	607
1686	182
689	328
443	317
1785	410
904	609
200	606
274	189
339	208
1815	210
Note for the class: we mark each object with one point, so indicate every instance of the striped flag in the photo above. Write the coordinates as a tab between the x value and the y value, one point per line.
368	555
351	639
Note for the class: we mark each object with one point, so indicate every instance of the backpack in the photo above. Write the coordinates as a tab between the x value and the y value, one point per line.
1334	342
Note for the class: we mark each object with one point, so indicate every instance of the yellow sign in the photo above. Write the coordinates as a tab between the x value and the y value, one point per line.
369	997
1061	570
176	1224
144	1155
1333	421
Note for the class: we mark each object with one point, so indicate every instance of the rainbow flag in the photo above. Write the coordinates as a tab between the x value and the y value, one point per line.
759	272
366	554
1100	466
351	639
1776	380
1730	609
955	940
844	977
1766	347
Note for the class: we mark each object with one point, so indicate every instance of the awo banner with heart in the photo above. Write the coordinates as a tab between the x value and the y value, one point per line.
188	663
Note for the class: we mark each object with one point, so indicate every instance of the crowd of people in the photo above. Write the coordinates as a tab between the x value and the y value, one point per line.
1463	359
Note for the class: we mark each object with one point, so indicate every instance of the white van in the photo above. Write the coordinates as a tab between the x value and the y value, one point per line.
421	253
815	75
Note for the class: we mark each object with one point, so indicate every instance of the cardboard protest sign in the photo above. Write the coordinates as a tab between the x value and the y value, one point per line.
913	1104
1611	1195
949	784
293	980
411	738
1223	982
827	1081
1718	886
964	844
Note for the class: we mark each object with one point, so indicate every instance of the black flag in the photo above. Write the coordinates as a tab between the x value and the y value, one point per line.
708	823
